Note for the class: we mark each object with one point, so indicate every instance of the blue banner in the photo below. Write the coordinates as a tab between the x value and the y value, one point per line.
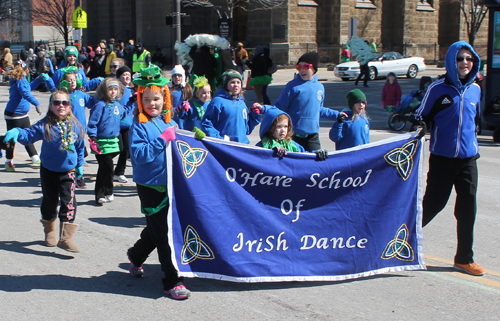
239	214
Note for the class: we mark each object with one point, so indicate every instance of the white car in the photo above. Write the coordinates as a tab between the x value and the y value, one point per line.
386	63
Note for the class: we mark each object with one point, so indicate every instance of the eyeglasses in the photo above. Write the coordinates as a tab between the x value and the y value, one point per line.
303	67
115	66
466	59
65	103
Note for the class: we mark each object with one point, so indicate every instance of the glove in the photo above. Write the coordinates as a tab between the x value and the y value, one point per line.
168	134
79	172
12	134
186	106
37	108
256	108
199	134
94	146
423	129
341	117
100	79
322	154
280	151
45	77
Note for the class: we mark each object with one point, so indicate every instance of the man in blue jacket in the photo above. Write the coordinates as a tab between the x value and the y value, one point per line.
451	108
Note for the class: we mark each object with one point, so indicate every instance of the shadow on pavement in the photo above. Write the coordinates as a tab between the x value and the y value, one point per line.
23	248
129	222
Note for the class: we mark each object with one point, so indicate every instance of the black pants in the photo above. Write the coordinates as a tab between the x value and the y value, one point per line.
444	174
155	235
364	70
58	186
104	177
124	153
21	123
310	143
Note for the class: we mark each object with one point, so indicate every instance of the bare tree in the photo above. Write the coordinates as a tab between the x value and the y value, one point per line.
474	12
230	5
55	14
13	9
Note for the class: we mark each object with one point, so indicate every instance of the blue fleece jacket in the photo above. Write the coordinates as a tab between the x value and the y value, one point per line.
88	85
147	151
128	108
226	115
452	108
52	156
267	122
351	132
104	120
303	101
176	101
80	100
191	117
21	99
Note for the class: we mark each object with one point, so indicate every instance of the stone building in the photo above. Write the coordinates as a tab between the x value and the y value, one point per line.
412	27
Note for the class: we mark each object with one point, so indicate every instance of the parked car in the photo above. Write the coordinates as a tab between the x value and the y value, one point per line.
385	63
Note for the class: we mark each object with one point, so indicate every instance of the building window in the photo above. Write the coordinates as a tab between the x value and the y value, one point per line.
425	5
365	4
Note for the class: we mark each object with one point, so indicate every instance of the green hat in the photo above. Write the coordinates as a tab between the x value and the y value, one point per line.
228	75
355	96
151	76
70	50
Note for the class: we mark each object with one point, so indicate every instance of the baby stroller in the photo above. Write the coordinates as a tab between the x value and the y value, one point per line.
406	110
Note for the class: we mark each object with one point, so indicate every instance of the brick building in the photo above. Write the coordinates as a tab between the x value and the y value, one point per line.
413	27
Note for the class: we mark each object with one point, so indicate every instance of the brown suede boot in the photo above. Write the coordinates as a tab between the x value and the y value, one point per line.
49	228
65	241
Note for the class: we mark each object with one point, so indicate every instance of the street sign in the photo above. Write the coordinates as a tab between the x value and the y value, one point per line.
79	18
76	34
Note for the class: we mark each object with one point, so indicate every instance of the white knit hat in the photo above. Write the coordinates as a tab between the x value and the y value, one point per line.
179	70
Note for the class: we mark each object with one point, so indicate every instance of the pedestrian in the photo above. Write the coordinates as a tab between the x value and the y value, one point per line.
151	131
98	64
391	94
303	99
103	130
124	75
116	64
346	55
259	67
204	63
180	91
353	130
192	112
7	63
276	133
240	58
110	56
363	68
141	58
227	116
71	59
451	108
62	159
16	111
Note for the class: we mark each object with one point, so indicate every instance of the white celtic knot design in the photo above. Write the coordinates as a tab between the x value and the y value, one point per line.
194	248
399	246
191	157
402	158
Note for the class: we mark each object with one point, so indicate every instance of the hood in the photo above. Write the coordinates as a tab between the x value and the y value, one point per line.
259	50
224	94
268	119
451	65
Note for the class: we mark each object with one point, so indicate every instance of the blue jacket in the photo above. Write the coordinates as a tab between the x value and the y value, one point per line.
452	108
128	108
88	85
350	133
80	100
176	94
267	122
21	99
191	117
147	151
228	116
303	101
104	120
52	156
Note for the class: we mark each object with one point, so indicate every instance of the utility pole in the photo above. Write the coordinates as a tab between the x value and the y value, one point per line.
178	24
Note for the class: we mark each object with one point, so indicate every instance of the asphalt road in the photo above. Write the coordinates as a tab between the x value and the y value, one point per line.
40	283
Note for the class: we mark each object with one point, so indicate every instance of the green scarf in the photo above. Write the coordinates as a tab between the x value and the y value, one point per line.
199	108
286	144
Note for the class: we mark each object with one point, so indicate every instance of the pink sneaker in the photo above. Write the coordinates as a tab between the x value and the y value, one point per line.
178	292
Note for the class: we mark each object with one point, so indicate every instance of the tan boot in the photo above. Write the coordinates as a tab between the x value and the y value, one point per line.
49	228
65	241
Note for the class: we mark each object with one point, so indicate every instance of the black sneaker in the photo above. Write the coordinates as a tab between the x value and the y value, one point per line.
80	183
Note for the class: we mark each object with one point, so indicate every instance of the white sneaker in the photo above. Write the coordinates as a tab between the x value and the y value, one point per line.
120	178
102	200
110	198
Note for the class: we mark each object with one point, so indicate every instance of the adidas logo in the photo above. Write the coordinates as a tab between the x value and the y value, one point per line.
446	101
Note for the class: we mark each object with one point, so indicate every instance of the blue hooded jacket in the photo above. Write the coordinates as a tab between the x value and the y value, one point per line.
350	133
226	115
21	99
88	85
52	156
267	121
104	120
452	108
191	117
303	101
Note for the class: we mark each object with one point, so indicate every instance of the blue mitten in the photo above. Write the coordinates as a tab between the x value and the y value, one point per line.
12	134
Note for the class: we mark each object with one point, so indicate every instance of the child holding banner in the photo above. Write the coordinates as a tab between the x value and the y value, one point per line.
192	111
354	129
151	131
180	91
227	114
276	133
